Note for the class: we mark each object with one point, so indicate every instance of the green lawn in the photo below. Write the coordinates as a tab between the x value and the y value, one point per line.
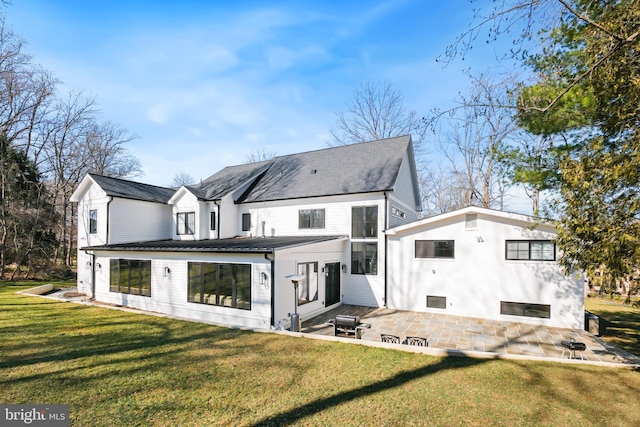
123	369
623	322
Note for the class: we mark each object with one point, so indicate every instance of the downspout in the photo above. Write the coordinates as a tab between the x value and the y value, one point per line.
217	203
386	255
108	203
273	287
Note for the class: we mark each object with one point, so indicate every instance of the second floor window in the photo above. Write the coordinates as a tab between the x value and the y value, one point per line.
364	221
186	222
93	221
311	218
246	222
213	221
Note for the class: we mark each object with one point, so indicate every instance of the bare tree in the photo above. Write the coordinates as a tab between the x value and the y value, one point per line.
259	155
77	143
375	111
63	138
480	130
182	178
442	191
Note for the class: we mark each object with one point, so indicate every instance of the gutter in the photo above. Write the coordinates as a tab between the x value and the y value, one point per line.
273	287
108	203
217	203
386	246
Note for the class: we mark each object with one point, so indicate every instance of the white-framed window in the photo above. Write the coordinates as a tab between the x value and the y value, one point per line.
310	218
308	287
93	221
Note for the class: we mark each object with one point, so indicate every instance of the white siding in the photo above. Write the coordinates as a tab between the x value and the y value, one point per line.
135	221
187	202
94	198
229	218
286	264
479	277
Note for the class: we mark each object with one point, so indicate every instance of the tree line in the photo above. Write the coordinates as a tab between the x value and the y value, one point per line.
48	142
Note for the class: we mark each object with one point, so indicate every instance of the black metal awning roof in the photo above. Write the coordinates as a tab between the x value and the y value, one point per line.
236	244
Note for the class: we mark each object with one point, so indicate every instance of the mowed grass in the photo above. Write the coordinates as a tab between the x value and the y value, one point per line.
124	369
623	322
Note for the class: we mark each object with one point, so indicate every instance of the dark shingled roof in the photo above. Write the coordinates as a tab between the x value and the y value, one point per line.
359	168
227	180
236	244
133	190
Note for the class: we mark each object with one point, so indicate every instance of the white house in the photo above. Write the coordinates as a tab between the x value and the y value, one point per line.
482	263
221	250
344	217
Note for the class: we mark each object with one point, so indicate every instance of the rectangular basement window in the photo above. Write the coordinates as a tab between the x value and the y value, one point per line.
436	302
542	311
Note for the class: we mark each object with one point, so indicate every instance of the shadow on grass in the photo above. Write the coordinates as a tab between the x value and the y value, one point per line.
299	413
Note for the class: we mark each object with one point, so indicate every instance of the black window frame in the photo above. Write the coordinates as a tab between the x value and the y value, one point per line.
212	219
364	222
93	221
118	285
434	249
246	222
186	223
216	271
529	252
436	301
307	219
309	268
360	262
524	309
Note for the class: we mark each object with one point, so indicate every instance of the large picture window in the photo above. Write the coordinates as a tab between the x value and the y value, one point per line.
364	225
186	222
227	285
537	250
129	276
435	249
308	287
364	258
525	309
93	221
311	218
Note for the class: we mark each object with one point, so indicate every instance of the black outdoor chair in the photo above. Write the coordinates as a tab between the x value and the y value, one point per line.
390	338
419	341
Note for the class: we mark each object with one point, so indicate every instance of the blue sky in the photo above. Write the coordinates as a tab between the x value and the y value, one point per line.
203	83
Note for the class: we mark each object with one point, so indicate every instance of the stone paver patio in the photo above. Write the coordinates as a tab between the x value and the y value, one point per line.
470	334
